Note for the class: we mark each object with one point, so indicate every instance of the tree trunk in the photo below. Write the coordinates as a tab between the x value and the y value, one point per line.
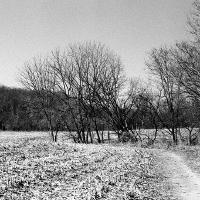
91	137
102	137
109	136
174	135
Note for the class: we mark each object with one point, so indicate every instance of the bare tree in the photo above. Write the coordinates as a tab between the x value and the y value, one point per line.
38	76
187	72
161	63
93	76
194	21
130	107
187	67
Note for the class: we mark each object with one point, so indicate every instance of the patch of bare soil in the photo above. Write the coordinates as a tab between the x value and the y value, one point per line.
185	182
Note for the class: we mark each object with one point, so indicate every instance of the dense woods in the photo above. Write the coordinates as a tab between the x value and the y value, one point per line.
83	90
16	112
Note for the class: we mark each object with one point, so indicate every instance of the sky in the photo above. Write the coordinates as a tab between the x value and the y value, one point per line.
131	28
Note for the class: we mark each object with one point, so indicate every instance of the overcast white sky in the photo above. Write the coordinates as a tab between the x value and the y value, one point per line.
129	27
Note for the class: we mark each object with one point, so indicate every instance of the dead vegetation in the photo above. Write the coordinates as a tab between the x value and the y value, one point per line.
35	168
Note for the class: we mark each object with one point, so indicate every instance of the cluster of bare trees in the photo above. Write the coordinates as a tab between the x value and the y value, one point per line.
83	90
177	70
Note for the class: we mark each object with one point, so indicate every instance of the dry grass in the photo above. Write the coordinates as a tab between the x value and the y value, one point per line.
31	167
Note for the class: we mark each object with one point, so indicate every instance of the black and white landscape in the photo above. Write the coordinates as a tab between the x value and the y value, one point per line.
100	99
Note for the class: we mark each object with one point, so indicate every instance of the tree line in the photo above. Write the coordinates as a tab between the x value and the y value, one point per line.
83	90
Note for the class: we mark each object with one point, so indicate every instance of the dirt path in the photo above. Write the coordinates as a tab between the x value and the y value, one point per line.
185	182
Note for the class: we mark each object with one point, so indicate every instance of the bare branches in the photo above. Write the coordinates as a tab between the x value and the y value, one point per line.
86	79
194	21
186	56
162	65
